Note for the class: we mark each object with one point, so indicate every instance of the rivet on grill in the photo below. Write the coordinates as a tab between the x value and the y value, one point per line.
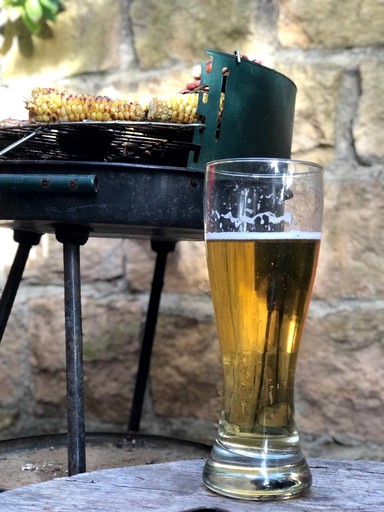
45	182
72	184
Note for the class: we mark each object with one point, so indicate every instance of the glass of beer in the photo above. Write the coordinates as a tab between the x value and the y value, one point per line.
263	222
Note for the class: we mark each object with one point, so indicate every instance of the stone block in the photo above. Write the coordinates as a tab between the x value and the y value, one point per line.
186	270
340	370
139	264
170	32
315	110
13	361
198	307
111	326
8	419
368	127
351	255
186	376
100	259
46	334
110	343
85	39
45	262
49	393
330	23
7	253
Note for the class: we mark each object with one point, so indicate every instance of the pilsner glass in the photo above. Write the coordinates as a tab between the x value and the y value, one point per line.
262	229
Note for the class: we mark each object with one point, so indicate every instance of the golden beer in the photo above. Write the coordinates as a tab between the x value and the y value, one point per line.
262	221
261	286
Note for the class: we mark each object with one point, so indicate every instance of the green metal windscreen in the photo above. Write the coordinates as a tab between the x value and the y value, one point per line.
257	115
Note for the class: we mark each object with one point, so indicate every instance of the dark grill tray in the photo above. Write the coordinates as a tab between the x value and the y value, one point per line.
114	141
133	200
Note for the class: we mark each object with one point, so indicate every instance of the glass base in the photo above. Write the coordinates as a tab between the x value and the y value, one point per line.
256	473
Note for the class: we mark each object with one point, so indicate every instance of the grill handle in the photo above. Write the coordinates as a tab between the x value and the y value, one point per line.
49	183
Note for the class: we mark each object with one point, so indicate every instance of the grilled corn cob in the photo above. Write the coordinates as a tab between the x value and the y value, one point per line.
50	105
180	108
47	105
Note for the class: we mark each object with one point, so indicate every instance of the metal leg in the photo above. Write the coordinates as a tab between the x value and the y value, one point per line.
72	237
162	249
25	240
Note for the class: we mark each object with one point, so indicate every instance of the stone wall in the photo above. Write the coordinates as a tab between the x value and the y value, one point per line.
334	52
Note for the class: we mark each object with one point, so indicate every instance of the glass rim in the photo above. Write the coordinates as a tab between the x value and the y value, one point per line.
312	166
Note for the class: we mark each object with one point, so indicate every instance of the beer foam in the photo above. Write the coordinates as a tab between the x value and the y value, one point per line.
246	219
264	235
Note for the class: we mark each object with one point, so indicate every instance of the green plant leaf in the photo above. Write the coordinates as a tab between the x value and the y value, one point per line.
51	6
48	15
33	10
30	24
12	3
33	13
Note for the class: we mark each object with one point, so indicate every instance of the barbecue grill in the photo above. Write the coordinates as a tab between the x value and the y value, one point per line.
131	179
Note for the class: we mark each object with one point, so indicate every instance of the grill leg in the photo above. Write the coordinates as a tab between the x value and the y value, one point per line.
25	240
162	249
72	237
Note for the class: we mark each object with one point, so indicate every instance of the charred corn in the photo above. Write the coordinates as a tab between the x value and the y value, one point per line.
180	108
52	106
48	105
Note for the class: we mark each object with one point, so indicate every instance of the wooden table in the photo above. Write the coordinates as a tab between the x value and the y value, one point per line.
177	486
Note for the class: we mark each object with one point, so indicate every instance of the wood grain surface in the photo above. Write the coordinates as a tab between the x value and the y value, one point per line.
177	486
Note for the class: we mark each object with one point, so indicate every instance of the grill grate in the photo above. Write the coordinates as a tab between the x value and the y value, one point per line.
115	141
